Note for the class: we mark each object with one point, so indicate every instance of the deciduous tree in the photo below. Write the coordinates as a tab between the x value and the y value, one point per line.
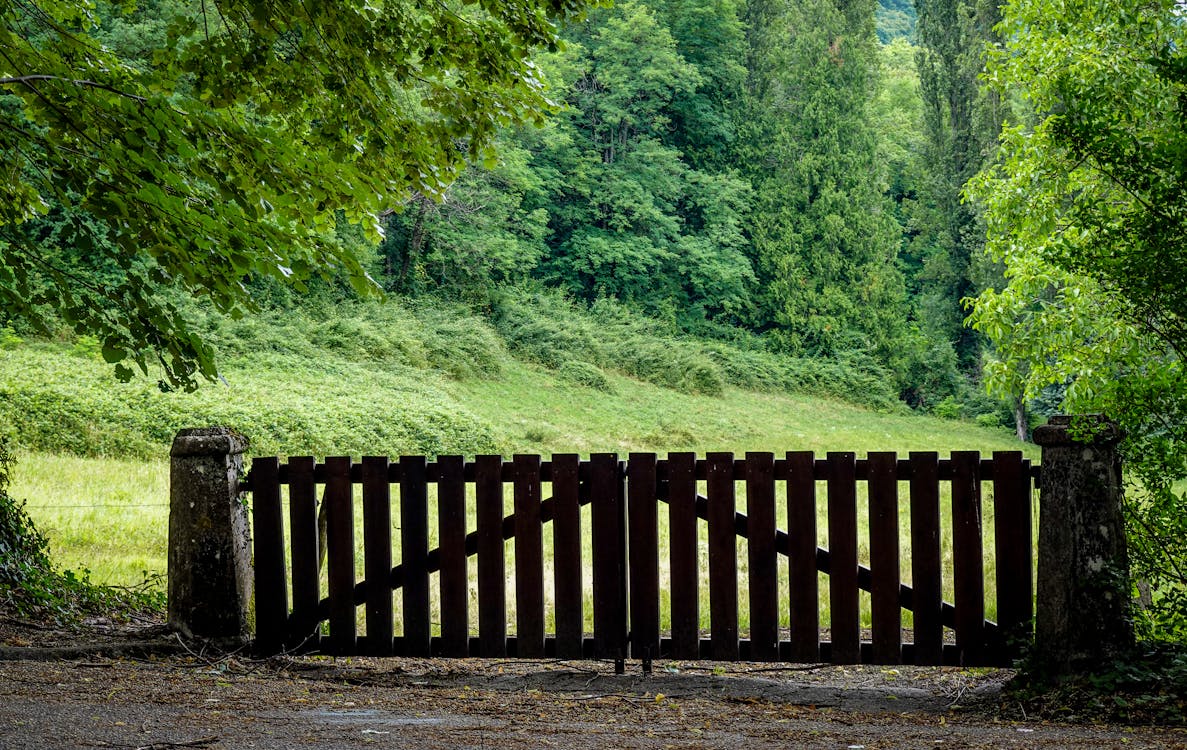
233	150
1087	209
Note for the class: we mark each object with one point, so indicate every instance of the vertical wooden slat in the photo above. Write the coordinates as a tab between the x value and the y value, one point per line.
492	594
304	536
644	555
844	624
529	559
1013	544
764	578
454	580
268	519
566	546
377	555
340	554
926	582
967	571
723	557
609	563
682	528
805	584
414	555
887	620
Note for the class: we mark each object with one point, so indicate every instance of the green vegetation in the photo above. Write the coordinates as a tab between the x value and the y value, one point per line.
1087	211
105	507
658	224
164	147
419	379
31	586
1149	687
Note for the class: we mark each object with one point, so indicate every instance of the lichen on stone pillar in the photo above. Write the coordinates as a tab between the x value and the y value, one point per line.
1083	617
210	578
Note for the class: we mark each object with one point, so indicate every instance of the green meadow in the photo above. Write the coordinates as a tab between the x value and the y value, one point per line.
93	453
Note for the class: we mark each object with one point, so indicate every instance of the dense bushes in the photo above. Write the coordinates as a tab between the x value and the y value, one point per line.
355	378
287	405
548	329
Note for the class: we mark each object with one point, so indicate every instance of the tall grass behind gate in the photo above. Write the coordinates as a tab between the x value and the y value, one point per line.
111	517
988	542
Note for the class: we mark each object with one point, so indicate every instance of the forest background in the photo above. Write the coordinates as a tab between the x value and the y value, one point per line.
788	196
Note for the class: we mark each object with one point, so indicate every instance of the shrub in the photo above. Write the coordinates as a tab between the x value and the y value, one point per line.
585	375
463	346
9	338
949	408
701	376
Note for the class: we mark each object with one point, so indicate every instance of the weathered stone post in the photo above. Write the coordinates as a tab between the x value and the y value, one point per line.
1083	619
210	576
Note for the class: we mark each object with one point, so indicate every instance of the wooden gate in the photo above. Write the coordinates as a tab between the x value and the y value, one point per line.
640	607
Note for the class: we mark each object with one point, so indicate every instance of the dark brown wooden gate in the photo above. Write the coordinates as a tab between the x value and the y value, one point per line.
631	599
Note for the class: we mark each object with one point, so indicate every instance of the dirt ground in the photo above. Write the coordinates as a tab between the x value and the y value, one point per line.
108	687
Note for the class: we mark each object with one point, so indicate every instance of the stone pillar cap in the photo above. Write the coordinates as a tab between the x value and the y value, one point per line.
206	441
1077	429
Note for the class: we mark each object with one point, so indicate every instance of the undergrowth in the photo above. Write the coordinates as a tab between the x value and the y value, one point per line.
1149	687
353	378
30	586
547	328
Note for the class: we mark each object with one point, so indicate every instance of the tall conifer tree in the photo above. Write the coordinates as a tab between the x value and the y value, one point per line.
823	237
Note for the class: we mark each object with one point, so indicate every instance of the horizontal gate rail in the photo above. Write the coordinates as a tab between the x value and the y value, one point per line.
627	591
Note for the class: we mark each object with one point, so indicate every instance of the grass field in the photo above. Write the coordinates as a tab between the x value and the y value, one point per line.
109	515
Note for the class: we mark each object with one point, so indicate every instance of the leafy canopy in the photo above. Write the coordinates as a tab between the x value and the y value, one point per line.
1088	211
228	147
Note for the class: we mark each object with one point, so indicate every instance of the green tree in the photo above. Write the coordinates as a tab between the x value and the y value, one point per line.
1087	209
481	231
961	124
710	36
824	236
234	147
629	217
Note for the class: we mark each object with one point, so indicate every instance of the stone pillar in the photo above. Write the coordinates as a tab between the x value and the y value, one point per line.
1083	619
210	575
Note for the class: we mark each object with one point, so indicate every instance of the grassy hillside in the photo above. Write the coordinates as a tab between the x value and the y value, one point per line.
399	379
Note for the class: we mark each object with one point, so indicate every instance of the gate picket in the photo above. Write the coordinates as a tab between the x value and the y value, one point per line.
763	562
967	572
927	587
844	624
609	563
271	594
723	557
1013	541
414	558
304	537
453	579
643	547
492	596
566	545
529	559
684	560
339	502
377	555
805	584
886	613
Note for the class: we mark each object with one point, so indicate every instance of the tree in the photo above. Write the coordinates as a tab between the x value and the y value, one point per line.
1087	210
629	217
235	149
481	231
961	123
824	236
